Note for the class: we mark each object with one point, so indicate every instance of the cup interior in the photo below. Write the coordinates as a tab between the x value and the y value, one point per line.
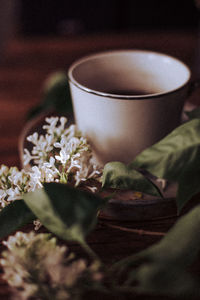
129	73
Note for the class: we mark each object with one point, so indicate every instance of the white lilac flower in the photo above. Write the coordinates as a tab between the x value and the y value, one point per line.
33	138
14	183
3	197
60	129
49	170
4	170
36	177
51	124
62	154
50	163
71	131
37	224
13	194
36	267
92	189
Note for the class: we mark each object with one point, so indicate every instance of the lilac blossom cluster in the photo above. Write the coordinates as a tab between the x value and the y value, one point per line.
60	155
35	266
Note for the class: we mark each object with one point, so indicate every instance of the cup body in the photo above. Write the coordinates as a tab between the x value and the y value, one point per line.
125	101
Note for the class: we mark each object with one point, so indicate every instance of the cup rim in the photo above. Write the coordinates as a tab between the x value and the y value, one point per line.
86	58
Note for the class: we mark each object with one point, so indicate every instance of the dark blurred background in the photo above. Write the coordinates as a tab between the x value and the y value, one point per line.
30	18
64	17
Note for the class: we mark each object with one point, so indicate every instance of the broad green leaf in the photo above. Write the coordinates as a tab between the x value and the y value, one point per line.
194	114
69	213
188	185
14	216
176	158
56	95
170	157
162	280
120	176
181	244
162	268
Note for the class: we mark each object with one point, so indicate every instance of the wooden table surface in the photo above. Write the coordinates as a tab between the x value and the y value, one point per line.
22	72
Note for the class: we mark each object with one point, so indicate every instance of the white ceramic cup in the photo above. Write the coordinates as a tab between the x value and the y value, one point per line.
125	101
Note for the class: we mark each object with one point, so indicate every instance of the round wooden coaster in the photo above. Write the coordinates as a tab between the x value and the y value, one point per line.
126	207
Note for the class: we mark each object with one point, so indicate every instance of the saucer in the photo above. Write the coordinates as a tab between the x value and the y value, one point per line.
125	205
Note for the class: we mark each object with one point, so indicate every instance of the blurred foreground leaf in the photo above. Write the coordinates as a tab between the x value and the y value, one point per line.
163	267
14	216
67	212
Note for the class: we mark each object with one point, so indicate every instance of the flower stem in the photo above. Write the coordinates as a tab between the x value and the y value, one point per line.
90	252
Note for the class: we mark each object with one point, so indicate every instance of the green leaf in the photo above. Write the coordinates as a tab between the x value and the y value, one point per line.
176	158
67	212
56	95
171	281
120	176
194	114
162	268
188	185
14	216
